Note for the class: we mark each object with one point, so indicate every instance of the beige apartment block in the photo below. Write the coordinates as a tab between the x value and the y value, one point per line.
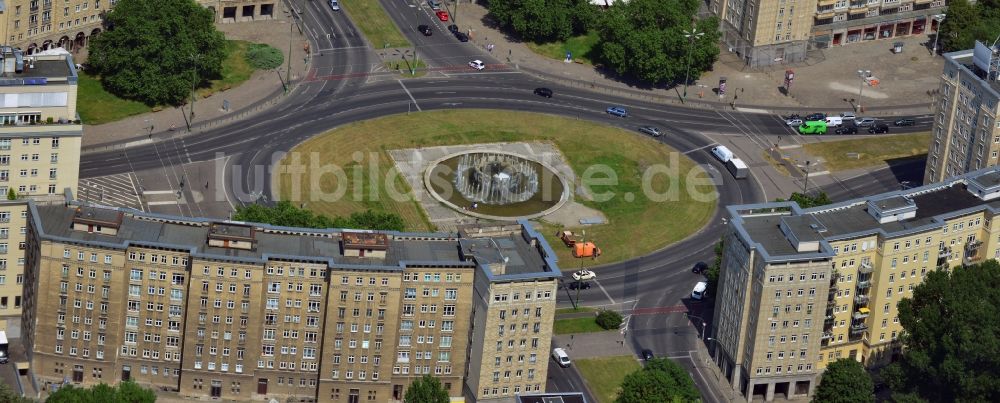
766	32
240	311
838	272
38	25
966	128
40	136
842	22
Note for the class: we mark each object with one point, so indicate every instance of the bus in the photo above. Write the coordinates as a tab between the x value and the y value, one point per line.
4	355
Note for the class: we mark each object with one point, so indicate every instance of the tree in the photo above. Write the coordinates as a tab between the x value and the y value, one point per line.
426	389
285	214
966	22
661	380
125	392
712	274
543	20
951	350
7	395
154	51
845	381
644	39
609	319
807	201
264	57
11	194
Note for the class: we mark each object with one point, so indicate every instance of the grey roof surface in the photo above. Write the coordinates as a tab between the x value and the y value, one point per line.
765	231
805	227
891	203
966	61
552	398
43	68
520	258
987	180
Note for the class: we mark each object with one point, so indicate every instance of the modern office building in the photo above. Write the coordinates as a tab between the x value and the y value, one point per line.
966	129
40	136
800	288
241	311
35	25
772	32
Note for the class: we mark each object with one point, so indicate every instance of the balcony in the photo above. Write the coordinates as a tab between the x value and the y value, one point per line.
861	313
827	335
861	300
858	328
865	268
864	284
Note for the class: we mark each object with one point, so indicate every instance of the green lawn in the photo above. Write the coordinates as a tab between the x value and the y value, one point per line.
579	46
561	311
96	105
604	376
375	23
840	154
638	222
576	325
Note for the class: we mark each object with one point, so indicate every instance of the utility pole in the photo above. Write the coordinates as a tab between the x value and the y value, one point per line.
194	85
861	87
288	63
583	242
692	35
805	185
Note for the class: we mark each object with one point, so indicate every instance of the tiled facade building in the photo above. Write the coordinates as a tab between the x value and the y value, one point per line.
243	311
801	288
40	136
966	124
35	25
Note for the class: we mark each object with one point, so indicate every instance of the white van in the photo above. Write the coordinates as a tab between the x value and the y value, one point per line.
699	290
561	357
722	153
834	121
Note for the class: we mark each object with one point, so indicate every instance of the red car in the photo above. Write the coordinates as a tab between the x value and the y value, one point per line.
442	15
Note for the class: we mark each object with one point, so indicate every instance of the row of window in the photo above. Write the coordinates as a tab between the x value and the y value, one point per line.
517	296
450	294
788	369
777	278
505	390
5	158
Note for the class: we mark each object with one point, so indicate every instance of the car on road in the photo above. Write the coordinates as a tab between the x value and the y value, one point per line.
699	268
442	15
453	28
813	127
847	116
425	30
334	5
847	130
584	274
794	122
651	130
561	358
462	37
477	64
544	92
865	122
647	354
583	285
435	5
792	116
904	122
617	111
878	128
699	290
816	116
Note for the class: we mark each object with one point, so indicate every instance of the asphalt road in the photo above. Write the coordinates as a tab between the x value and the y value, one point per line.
346	87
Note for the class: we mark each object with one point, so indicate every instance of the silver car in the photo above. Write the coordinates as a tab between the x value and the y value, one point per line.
865	122
651	130
794	122
335	5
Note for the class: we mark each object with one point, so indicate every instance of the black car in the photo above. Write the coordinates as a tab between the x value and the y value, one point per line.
453	28
425	30
583	285
904	122
699	268
792	116
815	116
847	130
542	91
878	128
462	37
647	354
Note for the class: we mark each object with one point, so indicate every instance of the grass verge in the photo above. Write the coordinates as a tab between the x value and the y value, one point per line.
580	46
562	311
576	325
97	106
404	67
375	23
839	155
604	376
638	222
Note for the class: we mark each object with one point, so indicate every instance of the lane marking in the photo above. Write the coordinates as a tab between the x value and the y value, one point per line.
408	93
699	148
162	203
605	292
158	192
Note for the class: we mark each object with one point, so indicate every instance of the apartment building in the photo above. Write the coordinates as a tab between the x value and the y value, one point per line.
800	288
241	311
842	22
40	136
36	25
766	32
966	128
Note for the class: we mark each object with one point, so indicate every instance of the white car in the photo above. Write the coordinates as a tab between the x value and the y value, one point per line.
584	275
335	5
793	122
477	64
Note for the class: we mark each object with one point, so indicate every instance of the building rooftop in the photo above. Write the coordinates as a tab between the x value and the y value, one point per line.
523	250
761	224
17	68
964	59
569	397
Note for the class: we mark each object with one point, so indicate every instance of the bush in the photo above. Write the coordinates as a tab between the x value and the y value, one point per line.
609	320
264	57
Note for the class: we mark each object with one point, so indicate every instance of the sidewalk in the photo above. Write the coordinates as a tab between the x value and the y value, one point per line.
827	81
261	91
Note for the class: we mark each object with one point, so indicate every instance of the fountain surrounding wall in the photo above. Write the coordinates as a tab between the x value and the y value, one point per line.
497	179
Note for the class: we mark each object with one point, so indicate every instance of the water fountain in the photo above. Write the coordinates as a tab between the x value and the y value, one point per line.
493	178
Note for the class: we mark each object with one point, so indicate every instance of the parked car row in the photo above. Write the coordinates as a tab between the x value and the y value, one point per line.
845	123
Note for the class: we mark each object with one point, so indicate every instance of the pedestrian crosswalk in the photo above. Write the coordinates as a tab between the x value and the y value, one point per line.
120	190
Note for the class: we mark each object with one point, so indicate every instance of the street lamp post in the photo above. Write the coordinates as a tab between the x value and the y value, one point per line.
863	74
692	35
805	185
937	33
704	333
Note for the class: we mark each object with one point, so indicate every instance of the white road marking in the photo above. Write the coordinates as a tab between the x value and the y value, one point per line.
700	148
408	93
158	192
605	291
162	203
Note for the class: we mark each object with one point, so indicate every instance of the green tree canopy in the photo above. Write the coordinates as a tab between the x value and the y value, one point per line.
609	319
426	389
845	381
125	392
154	49
967	22
7	395
286	214
660	381
951	345
807	201
264	57
644	39
543	20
